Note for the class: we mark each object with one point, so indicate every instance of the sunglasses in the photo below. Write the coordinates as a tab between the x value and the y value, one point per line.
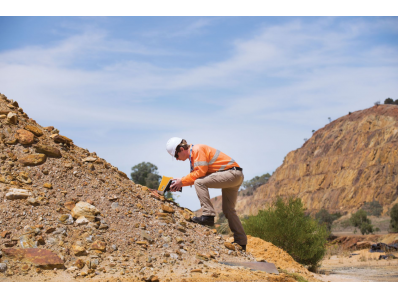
176	153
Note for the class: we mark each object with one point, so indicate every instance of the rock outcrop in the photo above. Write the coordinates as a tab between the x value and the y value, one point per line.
350	161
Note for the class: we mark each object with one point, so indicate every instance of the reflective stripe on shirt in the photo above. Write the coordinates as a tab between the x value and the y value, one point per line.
223	166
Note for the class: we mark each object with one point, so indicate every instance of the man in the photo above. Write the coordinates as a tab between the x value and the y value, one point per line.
210	168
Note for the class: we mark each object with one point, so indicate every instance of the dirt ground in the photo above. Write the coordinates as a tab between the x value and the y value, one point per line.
341	265
207	271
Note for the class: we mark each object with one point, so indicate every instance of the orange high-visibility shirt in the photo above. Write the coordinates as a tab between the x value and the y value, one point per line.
205	161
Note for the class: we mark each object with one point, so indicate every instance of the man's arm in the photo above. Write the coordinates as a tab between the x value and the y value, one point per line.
201	165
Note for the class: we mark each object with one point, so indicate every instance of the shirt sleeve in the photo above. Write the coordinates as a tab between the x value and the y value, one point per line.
201	165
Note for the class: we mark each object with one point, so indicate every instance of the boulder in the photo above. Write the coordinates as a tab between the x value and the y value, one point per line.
32	159
65	219
25	137
27	241
229	245
89	159
49	128
24	178
48	185
79	263
167	208
69	205
12	118
35	130
62	139
16	193
82	221
84	209
123	174
79	250
33	201
98	245
47	150
39	257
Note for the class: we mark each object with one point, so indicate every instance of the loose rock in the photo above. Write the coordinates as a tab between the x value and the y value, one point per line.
25	137
47	150
32	159
35	130
3	267
16	193
12	118
84	209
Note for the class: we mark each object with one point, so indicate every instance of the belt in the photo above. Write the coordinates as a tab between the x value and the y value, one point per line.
233	168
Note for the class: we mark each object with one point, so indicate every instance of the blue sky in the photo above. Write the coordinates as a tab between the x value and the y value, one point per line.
252	87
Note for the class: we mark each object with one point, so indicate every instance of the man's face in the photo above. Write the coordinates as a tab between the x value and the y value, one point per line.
183	154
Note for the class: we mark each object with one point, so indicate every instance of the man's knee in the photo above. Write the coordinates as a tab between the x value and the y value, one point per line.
198	182
229	212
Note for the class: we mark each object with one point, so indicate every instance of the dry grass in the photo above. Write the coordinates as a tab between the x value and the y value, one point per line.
336	250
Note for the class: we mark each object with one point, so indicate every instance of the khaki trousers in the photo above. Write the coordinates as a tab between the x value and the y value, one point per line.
229	182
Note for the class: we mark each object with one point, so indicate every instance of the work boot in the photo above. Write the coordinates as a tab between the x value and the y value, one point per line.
243	246
204	220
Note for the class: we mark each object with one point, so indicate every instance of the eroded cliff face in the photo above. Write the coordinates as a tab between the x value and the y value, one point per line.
350	161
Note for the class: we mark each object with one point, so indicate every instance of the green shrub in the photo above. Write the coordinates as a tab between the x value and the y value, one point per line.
345	223
373	208
394	218
360	220
324	217
286	226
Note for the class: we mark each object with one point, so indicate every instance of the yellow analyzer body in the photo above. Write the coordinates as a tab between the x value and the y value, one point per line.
165	185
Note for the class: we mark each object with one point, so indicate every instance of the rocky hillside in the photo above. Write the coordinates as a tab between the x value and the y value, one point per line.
66	209
350	161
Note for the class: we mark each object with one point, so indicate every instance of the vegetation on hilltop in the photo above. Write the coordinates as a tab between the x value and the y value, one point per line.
248	187
390	101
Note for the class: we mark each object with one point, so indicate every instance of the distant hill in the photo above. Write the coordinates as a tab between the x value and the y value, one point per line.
350	161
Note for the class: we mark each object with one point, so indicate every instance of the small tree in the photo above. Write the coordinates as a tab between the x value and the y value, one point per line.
377	103
388	101
146	174
396	102
324	217
286	226
360	220
330	119
394	219
373	208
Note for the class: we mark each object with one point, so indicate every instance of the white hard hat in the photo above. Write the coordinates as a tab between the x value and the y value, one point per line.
172	145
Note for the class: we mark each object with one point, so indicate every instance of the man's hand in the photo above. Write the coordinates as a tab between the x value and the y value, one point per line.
177	185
